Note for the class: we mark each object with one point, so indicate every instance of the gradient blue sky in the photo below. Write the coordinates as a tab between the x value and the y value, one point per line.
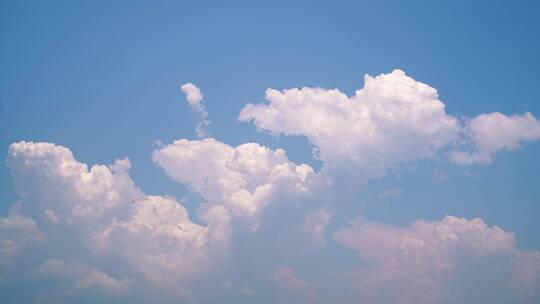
102	78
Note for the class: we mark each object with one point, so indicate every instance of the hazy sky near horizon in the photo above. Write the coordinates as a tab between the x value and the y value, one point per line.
279	152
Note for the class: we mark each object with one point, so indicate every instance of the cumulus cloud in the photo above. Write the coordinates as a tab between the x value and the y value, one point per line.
425	263
63	189
97	214
243	179
162	243
194	97
91	232
95	230
493	132
392	121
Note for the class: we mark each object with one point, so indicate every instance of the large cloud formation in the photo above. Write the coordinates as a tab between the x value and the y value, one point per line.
391	121
98	218
428	261
265	230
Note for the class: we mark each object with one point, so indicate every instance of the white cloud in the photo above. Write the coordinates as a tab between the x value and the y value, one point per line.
94	214
194	97
243	179
420	263
162	249
97	213
161	243
48	176
391	121
88	229
493	132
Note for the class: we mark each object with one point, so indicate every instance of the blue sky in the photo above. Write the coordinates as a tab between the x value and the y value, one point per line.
103	79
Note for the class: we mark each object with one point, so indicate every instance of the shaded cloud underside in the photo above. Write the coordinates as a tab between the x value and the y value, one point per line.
91	231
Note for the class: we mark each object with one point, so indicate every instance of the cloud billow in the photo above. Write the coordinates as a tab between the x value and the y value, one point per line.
265	223
393	120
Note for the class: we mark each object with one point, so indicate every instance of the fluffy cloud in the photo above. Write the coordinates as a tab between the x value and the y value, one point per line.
391	121
78	233
160	241
62	189
424	262
97	214
194	97
243	179
93	230
492	132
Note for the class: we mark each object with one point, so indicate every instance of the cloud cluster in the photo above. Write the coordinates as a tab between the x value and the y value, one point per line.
243	178
85	234
392	121
424	262
97	216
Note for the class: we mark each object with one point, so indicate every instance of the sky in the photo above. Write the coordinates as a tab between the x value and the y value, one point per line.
279	152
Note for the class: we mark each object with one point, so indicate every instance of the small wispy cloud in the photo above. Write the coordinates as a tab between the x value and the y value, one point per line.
194	97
